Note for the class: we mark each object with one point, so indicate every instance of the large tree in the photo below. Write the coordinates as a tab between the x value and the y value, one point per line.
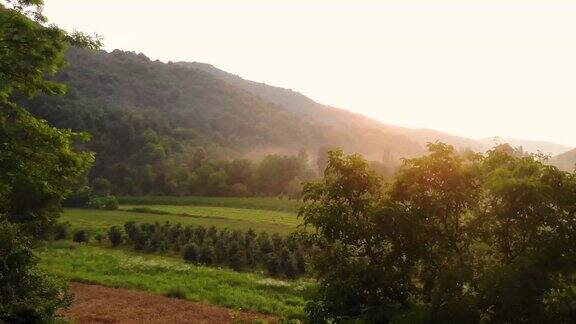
38	163
452	239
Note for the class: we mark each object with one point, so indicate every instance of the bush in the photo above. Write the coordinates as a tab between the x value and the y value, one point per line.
207	254
237	250
79	197
115	235
239	190
273	265
101	187
176	292
61	231
80	236
190	253
26	294
103	202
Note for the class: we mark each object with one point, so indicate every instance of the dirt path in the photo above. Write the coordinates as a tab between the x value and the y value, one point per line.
99	304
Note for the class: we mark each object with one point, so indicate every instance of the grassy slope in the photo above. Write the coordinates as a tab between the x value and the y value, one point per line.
264	203
156	274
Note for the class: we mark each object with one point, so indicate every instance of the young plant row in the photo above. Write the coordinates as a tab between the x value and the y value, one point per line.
241	251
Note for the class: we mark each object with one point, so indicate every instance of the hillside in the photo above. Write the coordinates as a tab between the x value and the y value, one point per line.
193	106
148	118
565	161
546	148
303	106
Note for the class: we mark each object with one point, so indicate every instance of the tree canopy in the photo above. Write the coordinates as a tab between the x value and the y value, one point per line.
38	161
474	238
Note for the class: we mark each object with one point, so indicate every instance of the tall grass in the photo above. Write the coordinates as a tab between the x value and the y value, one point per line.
164	275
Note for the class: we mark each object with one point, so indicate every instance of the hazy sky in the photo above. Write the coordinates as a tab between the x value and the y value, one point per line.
471	68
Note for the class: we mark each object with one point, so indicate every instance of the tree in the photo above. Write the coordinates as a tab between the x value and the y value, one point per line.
275	173
26	294
80	236
101	187
115	236
39	164
474	238
190	253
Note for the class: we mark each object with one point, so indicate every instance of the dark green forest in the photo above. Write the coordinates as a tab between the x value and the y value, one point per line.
161	128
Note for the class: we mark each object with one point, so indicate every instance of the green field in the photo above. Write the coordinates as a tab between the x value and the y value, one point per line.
264	203
117	268
236	214
221	217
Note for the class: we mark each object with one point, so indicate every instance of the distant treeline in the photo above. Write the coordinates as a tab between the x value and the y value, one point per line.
196	174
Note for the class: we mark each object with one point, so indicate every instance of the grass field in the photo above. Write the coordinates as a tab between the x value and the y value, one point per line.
236	214
221	217
117	268
263	203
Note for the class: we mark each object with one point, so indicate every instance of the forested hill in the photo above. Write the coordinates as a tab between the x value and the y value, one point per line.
147	116
190	107
149	119
320	114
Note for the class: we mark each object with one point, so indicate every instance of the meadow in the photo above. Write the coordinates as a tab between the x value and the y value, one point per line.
165	275
220	217
263	203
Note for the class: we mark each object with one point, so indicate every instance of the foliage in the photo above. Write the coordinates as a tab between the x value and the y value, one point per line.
115	235
103	202
474	238
60	231
39	166
210	246
80	236
38	163
26	294
176	292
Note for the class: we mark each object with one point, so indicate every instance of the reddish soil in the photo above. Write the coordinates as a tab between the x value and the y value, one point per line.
98	304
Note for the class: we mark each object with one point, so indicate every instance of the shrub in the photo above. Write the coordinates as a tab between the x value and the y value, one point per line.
61	231
103	202
190	253
207	254
27	295
176	292
80	236
115	236
239	190
79	197
273	265
237	250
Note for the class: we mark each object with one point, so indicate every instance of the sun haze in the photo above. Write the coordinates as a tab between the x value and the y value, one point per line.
470	68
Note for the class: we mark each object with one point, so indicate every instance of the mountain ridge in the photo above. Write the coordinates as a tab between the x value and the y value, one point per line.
197	104
302	105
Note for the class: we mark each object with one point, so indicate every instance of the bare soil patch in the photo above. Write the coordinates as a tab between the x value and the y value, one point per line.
99	304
